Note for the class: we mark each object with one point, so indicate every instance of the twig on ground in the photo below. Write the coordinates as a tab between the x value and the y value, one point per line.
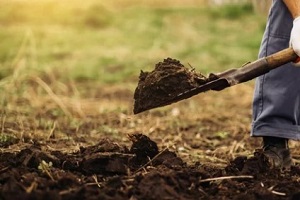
4	169
275	192
278	193
142	167
224	178
96	181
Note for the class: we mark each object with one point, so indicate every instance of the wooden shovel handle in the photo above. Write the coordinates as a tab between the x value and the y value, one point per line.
258	67
282	57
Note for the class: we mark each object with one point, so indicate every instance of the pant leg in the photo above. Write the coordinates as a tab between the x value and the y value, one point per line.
276	103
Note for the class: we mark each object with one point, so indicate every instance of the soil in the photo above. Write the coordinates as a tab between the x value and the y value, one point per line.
196	149
111	171
168	79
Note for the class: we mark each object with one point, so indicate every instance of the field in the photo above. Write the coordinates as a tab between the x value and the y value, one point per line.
69	72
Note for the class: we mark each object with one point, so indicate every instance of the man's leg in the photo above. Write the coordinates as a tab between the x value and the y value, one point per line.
276	103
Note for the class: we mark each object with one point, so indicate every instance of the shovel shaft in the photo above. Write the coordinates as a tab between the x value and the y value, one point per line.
280	58
258	67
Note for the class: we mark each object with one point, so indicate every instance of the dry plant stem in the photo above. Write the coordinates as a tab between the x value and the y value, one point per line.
64	192
142	167
4	169
21	51
2	123
32	187
21	125
202	191
55	98
278	193
296	161
275	192
52	130
224	178
96	181
50	176
91	184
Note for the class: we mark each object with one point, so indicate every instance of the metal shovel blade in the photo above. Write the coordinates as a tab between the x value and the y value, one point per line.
219	83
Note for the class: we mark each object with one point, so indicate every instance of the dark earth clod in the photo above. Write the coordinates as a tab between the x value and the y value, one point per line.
169	79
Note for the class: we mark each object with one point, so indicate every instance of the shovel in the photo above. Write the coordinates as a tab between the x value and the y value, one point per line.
233	77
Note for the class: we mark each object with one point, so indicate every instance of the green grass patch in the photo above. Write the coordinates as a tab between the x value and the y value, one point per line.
92	41
231	11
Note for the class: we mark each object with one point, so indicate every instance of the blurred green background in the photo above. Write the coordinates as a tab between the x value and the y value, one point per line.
111	41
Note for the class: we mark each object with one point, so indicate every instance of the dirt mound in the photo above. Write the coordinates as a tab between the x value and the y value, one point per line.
110	171
167	80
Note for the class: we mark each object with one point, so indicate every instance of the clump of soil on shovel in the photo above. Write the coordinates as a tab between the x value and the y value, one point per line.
169	79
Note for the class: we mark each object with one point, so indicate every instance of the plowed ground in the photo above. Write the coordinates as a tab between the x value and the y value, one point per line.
96	148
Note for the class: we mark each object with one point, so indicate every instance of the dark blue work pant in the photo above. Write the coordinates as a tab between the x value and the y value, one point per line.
276	103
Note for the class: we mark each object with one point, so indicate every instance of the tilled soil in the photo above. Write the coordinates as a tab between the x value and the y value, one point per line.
198	149
108	170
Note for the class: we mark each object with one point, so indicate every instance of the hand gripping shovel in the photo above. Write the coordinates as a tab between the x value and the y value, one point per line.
233	77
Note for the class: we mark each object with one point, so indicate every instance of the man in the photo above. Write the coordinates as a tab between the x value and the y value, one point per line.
276	103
